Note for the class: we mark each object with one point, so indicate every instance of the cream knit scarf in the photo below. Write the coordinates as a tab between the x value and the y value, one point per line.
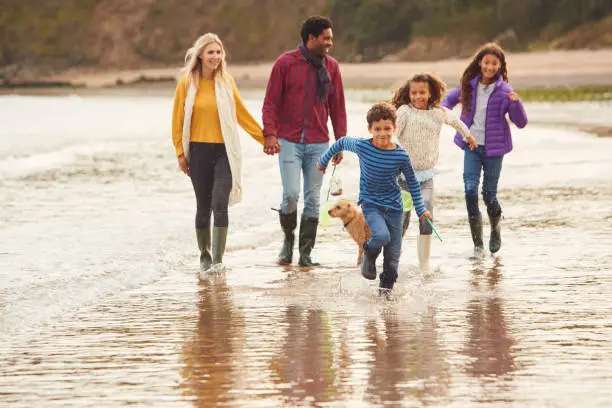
226	106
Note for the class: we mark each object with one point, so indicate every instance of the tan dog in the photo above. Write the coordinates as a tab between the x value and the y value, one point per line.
354	222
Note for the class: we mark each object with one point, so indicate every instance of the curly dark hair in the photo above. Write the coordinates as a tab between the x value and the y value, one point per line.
381	111
314	25
474	69
436	89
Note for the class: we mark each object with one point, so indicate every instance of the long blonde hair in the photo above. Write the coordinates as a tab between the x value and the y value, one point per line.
193	64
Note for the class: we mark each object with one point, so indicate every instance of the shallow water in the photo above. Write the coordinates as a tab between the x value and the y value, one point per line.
100	303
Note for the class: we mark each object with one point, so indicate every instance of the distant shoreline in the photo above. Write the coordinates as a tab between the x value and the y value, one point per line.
550	69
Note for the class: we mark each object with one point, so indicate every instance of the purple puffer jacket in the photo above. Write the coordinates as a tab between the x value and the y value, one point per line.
498	140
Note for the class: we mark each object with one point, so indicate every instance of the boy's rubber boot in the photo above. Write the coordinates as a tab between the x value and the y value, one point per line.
384	290
368	264
423	252
476	230
203	236
219	238
405	222
308	236
288	223
495	238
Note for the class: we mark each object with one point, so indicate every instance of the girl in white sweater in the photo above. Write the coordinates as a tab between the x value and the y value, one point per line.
419	121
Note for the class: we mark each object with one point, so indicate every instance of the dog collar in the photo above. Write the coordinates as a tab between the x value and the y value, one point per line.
346	225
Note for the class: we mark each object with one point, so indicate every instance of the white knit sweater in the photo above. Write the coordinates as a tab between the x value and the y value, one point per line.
418	132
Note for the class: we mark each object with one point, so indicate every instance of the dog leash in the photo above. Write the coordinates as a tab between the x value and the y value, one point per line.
323	210
330	183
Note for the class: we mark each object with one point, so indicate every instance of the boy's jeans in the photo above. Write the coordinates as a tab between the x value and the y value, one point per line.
473	162
295	159
386	227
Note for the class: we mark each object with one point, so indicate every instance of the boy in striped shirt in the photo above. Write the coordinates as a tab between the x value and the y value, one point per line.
380	162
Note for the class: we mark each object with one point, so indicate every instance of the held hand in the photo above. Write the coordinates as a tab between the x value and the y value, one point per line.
426	214
271	145
472	142
321	169
513	96
337	158
183	165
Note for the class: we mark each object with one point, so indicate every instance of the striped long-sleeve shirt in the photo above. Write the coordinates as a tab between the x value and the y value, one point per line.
291	109
379	171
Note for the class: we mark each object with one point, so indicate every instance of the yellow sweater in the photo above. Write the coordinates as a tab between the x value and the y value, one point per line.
205	125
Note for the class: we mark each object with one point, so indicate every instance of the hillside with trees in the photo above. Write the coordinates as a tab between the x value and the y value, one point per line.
40	38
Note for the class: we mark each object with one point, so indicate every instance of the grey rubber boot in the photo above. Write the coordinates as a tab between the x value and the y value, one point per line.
203	236
219	238
495	238
405	223
308	236
288	223
476	230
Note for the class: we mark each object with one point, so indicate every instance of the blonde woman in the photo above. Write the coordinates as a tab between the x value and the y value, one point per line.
207	110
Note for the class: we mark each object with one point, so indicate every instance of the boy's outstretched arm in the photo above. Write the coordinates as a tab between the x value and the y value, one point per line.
345	143
415	190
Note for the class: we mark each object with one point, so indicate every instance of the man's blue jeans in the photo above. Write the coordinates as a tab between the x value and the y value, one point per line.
386	227
473	162
295	159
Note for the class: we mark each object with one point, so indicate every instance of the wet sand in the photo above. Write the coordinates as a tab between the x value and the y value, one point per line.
527	70
101	305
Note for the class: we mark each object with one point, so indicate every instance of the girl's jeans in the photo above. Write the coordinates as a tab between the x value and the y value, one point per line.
473	162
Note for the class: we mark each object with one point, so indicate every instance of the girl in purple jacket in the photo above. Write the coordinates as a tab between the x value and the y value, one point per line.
485	98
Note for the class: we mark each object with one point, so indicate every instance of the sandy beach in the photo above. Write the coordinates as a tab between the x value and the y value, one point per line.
527	70
101	305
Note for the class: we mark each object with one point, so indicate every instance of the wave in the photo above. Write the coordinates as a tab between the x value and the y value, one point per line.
27	305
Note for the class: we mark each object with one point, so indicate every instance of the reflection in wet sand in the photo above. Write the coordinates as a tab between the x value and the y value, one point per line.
489	346
209	375
306	359
408	363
